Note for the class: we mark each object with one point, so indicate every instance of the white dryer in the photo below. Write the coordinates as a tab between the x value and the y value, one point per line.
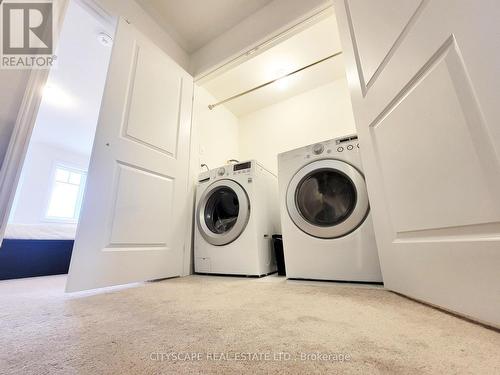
325	214
237	213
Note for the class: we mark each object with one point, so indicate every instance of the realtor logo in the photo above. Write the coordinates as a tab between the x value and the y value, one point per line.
27	34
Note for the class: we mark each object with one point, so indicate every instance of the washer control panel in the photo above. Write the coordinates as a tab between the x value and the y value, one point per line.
227	171
242	168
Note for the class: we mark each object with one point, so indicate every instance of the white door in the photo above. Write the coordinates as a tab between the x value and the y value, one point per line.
424	79
134	215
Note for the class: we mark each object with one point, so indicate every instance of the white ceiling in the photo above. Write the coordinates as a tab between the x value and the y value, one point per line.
193	23
303	48
69	110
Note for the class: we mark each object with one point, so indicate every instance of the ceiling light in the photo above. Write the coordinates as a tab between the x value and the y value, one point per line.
283	83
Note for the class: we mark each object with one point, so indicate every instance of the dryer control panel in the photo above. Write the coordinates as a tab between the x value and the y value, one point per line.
347	143
334	146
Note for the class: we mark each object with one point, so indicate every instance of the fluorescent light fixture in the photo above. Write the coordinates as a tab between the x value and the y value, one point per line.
57	97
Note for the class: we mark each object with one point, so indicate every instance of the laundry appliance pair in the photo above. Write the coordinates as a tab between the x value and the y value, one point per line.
322	203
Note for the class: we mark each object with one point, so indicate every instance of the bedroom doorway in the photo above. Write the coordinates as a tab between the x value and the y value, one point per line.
45	212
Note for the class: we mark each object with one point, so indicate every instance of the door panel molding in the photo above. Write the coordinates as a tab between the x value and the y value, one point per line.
128	132
469	233
367	82
436	119
134	188
414	81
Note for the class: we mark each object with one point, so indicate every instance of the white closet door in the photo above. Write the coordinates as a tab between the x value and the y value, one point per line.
134	215
424	80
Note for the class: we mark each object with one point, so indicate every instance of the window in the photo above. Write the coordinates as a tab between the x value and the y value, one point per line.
66	195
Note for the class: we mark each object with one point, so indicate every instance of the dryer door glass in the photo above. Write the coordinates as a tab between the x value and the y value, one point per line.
326	197
221	210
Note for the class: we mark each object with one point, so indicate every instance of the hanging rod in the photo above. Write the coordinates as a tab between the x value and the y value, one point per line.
212	106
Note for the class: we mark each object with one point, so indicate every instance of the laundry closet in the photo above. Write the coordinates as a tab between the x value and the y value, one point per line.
286	99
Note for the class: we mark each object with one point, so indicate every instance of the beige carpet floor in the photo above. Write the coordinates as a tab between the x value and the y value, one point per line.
202	324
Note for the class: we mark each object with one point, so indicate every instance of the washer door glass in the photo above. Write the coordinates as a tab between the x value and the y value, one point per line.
221	210
326	197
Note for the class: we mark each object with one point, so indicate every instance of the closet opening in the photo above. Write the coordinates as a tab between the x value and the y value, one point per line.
287	93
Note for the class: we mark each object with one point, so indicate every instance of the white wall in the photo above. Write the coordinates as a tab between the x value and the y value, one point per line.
33	193
215	132
316	115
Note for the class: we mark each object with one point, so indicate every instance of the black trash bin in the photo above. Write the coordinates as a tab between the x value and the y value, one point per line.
278	251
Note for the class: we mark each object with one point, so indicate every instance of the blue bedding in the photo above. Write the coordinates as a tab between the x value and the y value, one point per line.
32	258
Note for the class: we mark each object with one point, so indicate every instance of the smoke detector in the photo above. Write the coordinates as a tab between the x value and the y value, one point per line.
105	39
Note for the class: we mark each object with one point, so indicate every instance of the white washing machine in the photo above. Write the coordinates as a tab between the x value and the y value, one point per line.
325	214
237	213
